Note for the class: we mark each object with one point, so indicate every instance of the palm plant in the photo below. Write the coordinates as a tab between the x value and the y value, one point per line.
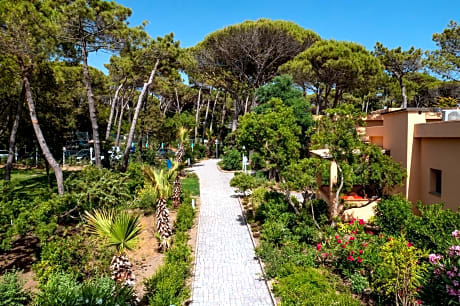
182	135
121	230
161	180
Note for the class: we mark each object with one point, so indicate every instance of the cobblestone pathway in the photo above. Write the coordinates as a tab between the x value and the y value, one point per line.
226	272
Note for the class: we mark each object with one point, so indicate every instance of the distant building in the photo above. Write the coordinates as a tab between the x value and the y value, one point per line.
427	144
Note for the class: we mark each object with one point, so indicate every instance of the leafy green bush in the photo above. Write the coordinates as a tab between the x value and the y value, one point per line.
257	161
243	182
185	217
146	198
232	160
64	289
167	286
11	291
432	229
100	188
393	214
310	286
72	254
358	282
281	261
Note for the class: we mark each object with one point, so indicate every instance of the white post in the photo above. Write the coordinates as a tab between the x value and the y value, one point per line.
91	155
36	157
217	148
63	156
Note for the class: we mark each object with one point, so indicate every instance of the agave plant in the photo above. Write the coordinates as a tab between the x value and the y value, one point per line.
121	231
182	135
161	180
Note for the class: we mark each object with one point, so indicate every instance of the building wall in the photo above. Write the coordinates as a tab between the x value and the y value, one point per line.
441	154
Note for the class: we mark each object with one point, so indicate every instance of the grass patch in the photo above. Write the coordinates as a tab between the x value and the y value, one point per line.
191	185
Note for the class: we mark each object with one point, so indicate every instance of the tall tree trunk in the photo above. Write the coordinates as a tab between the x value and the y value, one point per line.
120	119
336	98
236	113
335	206
403	93
136	115
212	112
179	108
197	115
12	142
205	120
224	109
92	108
246	104
112	110
38	132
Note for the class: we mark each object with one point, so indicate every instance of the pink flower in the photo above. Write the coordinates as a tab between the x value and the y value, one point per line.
455	234
337	237
318	246
361	252
339	241
352	238
433	258
409	244
350	258
360	260
361	222
419	302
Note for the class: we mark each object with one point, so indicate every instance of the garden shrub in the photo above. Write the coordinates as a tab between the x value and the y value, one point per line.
243	182
273	205
393	214
232	160
442	284
100	188
275	231
358	282
167	286
401	271
64	289
11	291
281	261
185	217
73	254
310	286
432	229
257	161
146	198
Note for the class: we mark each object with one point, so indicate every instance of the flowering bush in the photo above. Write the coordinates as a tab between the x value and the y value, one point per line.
390	265
446	274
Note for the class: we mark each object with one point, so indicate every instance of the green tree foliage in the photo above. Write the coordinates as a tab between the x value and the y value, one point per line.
333	68
282	87
274	134
446	60
399	63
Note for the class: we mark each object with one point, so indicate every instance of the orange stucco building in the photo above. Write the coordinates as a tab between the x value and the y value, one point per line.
426	146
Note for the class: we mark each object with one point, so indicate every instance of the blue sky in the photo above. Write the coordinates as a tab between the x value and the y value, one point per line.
393	23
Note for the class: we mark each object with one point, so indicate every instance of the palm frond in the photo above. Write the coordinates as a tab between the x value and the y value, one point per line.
120	229
182	135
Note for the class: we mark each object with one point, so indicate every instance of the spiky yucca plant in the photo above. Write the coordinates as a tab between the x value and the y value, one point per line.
177	186
161	180
121	230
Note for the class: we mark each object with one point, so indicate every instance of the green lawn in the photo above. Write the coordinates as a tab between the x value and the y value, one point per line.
191	185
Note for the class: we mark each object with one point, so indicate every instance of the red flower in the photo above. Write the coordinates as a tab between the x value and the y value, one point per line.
330	254
339	241
352	238
352	252
325	255
419	302
389	239
318	246
361	222
360	260
364	244
391	245
337	237
370	232
361	252
409	244
343	246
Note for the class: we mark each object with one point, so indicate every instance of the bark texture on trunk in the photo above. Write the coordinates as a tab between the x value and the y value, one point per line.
38	132
212	112
205	121
136	116
335	206
92	108
112	110
12	141
403	93
163	224
197	115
